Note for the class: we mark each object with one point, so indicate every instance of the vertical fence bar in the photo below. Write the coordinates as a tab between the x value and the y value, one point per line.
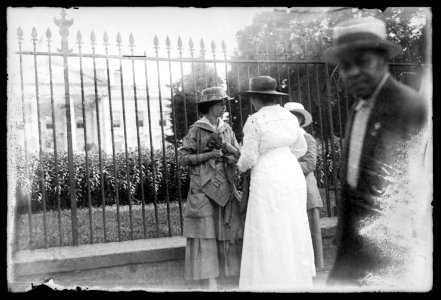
54	136
25	137
311	128
249	77
89	196
129	193
190	44
97	110
202	45
227	82
240	97
152	152
115	166
156	43
257	58
178	176
141	176
337	89
325	165
64	32
267	58
213	50
37	96
289	74
298	82
278	76
182	83
328	93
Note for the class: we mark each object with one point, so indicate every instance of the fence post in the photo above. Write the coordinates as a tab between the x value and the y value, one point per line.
70	118
334	171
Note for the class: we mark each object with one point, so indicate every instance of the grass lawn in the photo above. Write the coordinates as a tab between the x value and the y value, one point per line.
84	237
53	232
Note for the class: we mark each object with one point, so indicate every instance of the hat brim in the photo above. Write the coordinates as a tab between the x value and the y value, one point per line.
213	100
332	53
306	115
271	92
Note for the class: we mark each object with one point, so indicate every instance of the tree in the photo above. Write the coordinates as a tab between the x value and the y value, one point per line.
185	93
302	34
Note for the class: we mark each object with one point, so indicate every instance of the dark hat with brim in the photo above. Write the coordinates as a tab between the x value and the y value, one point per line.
263	85
361	33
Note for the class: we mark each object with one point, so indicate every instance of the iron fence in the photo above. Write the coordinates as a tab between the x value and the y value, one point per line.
132	175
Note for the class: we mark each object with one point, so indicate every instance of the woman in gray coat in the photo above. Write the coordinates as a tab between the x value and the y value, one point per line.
308	164
212	224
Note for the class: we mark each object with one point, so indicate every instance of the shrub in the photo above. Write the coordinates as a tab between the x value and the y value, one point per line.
56	177
57	180
333	167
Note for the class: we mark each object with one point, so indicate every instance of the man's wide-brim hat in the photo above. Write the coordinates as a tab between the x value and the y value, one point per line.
263	85
298	108
211	94
360	33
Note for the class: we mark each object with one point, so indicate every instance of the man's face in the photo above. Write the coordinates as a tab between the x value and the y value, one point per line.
361	71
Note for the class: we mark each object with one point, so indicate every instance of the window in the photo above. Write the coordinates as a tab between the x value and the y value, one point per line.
80	124
49	124
116	120
140	123
162	123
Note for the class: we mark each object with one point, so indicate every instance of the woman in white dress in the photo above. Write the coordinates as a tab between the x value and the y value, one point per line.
277	250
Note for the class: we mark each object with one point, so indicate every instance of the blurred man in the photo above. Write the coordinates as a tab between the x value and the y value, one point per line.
381	209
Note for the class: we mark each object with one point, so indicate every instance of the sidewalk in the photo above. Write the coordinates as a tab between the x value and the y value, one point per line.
148	265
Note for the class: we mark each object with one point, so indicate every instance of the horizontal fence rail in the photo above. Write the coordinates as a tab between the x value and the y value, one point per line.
98	158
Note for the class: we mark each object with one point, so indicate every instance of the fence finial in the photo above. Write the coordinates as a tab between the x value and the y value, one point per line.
92	37
79	37
48	34
64	24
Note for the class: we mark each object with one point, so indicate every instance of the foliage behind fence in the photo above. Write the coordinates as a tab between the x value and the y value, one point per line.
111	184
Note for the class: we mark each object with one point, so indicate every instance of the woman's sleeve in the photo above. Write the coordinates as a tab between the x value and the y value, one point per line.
249	151
299	147
187	153
308	161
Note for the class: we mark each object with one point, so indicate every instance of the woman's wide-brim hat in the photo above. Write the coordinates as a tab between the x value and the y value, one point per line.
263	85
211	94
360	33
298	107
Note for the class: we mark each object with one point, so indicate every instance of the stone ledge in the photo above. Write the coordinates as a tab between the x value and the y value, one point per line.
74	258
104	255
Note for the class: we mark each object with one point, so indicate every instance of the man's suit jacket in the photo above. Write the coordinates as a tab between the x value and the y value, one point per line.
395	124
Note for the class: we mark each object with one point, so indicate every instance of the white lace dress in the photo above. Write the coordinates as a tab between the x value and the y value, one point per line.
277	250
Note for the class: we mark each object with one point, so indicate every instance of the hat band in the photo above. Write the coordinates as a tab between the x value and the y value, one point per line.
263	87
357	36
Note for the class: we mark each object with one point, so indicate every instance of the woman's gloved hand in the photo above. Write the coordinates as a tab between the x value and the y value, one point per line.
229	149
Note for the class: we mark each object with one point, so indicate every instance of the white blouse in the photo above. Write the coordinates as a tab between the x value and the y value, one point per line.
269	128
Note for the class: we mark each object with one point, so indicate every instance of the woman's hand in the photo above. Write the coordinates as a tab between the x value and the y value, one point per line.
216	153
229	159
229	149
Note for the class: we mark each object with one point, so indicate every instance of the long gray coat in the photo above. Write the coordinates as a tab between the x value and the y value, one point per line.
308	163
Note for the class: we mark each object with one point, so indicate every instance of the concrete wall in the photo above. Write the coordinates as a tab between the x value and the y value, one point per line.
156	264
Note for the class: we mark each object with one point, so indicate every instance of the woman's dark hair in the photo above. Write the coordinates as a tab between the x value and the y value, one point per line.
300	117
204	107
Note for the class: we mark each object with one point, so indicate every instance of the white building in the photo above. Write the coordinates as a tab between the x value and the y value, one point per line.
91	99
